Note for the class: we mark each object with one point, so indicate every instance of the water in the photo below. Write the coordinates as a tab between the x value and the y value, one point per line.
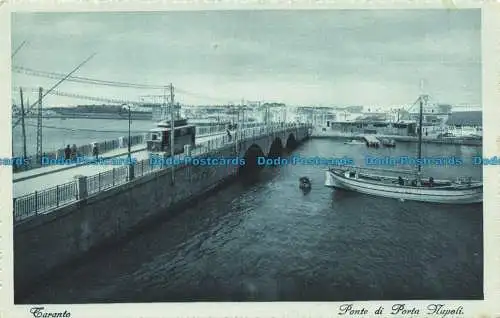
264	240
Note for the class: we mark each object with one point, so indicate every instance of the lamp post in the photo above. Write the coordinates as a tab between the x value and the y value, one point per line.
130	165
129	121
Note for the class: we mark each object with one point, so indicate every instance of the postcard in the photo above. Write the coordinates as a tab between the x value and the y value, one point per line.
250	159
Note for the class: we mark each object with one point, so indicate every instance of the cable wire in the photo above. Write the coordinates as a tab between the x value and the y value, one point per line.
90	130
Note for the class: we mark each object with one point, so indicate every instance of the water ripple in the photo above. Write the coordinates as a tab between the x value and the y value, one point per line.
268	241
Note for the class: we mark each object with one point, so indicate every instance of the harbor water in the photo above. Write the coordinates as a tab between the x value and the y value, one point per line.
266	240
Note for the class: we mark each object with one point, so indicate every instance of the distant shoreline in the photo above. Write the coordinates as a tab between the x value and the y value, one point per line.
448	141
93	116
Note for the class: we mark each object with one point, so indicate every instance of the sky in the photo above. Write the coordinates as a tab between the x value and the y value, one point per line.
322	57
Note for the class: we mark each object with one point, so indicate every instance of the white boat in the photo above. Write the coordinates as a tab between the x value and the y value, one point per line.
354	142
391	183
368	181
389	142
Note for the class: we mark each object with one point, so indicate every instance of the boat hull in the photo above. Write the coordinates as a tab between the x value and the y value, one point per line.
424	194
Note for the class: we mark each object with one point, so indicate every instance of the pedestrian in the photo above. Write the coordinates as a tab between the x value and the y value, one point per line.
73	152
95	152
67	152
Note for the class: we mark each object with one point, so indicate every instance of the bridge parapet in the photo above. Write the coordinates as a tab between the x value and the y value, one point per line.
68	221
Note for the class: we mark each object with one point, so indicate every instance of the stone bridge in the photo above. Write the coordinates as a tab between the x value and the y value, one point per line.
50	241
271	145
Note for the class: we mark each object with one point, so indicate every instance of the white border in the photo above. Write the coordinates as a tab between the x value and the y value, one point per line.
490	307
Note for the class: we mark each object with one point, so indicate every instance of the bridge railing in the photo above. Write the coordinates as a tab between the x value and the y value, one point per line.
83	150
107	179
46	200
105	146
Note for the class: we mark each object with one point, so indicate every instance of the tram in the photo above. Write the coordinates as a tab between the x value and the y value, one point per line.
159	137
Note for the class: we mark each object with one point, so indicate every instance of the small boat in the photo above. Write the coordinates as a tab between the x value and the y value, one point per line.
388	142
304	183
354	142
390	183
411	187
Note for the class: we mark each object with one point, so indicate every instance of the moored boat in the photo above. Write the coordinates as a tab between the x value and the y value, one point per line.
304	183
379	183
413	186
371	141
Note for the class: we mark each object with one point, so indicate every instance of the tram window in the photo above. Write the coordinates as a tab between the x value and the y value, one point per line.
154	136
177	133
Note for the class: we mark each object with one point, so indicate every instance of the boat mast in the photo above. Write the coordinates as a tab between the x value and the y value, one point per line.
420	134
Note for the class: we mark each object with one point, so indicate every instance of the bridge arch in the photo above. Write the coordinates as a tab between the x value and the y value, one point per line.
291	142
276	148
250	157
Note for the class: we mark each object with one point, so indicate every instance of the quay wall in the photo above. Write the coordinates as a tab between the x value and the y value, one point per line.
46	242
108	145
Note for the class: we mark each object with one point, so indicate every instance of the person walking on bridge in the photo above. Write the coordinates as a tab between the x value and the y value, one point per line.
67	153
73	152
95	152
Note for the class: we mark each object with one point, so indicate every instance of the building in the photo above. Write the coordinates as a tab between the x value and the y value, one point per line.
435	114
318	116
273	112
348	113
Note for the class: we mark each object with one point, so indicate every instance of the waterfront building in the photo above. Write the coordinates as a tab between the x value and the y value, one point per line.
433	113
402	128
